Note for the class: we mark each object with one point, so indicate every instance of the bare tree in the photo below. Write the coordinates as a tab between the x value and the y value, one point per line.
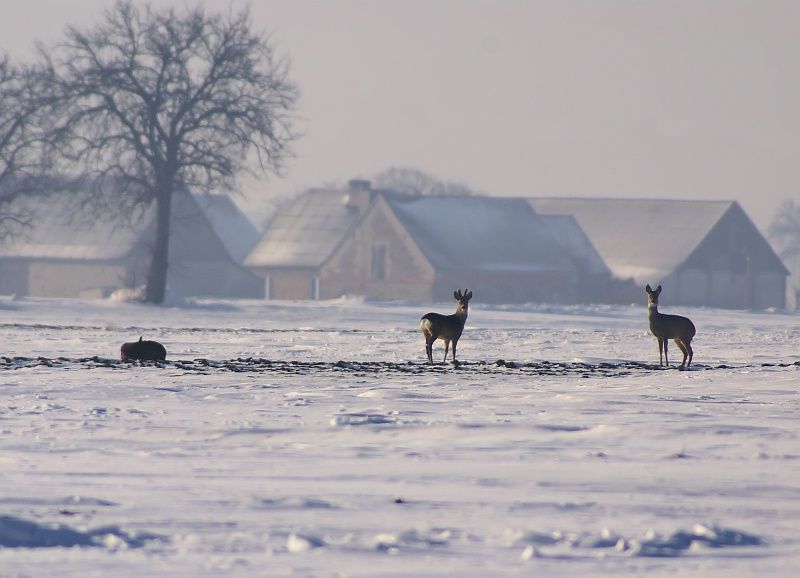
416	182
21	168
150	103
784	231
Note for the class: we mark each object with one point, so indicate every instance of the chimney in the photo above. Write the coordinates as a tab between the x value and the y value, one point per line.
359	195
359	185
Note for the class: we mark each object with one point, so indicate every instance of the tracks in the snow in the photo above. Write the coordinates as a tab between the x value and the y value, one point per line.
288	367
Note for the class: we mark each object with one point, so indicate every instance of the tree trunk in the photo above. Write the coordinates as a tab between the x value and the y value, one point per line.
157	277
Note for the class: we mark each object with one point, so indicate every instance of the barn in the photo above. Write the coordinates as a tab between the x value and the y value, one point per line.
704	253
68	255
380	244
425	247
236	231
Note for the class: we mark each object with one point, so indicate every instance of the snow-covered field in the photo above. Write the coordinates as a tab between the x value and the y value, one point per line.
309	439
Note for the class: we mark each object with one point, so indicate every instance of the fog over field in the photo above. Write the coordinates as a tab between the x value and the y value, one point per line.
693	99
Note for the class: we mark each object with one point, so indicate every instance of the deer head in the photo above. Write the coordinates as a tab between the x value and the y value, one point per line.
652	296
462	299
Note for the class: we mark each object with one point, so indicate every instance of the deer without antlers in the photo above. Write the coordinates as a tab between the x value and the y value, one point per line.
666	327
446	327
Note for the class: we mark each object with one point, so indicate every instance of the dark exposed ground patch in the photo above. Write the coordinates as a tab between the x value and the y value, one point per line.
259	365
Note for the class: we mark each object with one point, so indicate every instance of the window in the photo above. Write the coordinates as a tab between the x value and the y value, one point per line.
378	267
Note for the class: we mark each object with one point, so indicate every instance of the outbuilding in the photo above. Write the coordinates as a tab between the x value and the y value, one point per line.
64	254
704	253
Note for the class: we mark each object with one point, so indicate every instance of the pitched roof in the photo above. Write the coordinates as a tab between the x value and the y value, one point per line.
232	226
480	233
566	230
306	232
644	239
56	233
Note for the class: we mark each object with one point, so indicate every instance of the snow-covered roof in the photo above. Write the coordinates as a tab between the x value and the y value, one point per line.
57	233
645	239
306	232
566	230
232	226
480	233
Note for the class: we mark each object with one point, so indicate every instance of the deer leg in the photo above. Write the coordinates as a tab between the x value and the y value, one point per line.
455	341
687	352
429	348
660	351
665	342
682	347
447	348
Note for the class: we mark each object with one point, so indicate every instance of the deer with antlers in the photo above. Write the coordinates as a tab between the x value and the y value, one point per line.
446	327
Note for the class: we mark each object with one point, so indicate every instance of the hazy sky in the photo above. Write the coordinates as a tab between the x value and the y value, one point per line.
641	98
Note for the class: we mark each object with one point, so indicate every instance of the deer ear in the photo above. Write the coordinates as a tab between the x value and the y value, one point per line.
140	338
456	295
648	289
658	289
468	296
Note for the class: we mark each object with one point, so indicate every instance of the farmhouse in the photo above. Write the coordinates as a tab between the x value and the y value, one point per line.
703	252
80	256
384	245
302	237
424	247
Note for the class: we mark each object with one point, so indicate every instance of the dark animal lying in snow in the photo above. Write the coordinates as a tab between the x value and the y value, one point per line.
143	351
